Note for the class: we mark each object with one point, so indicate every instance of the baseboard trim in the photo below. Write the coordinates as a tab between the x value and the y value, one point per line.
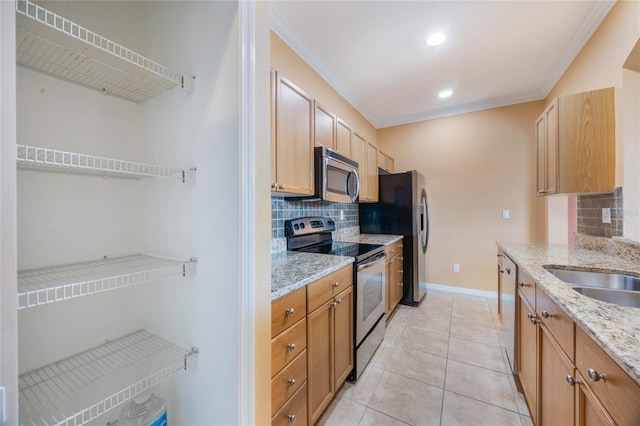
462	290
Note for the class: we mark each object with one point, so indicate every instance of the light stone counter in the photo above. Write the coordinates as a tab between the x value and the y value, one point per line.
615	328
372	239
291	270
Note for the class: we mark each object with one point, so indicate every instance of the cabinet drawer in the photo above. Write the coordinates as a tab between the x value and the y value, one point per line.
294	412
288	310
527	287
617	391
393	249
557	322
288	381
318	292
287	345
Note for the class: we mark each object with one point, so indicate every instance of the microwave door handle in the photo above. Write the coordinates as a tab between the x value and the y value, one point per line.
355	196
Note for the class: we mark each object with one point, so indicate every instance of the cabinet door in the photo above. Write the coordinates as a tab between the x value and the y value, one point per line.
343	336
390	164
389	291
556	395
372	173
343	138
551	147
589	410
359	155
294	139
527	356
273	88
586	134
399	280
325	127
320	377
382	160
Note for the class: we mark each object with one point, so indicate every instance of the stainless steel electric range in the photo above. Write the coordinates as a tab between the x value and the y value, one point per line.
313	235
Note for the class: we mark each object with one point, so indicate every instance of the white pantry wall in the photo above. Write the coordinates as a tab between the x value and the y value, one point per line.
67	218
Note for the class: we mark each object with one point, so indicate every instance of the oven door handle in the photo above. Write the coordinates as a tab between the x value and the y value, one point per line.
372	261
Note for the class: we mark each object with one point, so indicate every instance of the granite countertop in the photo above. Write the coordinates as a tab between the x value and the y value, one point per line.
372	239
616	328
291	270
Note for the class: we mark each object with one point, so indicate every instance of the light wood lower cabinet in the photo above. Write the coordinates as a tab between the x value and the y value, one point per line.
566	377
330	350
394	277
294	412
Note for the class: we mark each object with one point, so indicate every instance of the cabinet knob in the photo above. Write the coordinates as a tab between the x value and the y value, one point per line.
291	347
571	380
499	255
502	271
392	261
338	301
542	191
523	284
334	304
282	186
532	318
291	382
400	271
292	418
274	185
289	312
336	284
546	314
595	376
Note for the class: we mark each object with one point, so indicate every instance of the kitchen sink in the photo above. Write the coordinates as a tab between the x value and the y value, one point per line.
619	297
597	279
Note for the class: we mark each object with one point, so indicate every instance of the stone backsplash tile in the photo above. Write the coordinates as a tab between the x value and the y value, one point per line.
281	210
590	214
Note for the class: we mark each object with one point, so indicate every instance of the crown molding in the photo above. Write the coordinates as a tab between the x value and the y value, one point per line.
462	109
598	12
287	32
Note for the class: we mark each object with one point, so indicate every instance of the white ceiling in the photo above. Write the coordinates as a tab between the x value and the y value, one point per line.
497	52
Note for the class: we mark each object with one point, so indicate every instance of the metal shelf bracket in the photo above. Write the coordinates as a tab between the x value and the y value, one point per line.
189	176
189	84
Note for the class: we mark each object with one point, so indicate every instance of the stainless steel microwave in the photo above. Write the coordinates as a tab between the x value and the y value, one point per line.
336	177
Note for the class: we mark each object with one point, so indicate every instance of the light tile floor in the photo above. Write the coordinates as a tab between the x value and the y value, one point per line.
440	364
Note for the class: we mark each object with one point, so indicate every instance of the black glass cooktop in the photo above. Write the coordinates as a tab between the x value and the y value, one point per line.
340	248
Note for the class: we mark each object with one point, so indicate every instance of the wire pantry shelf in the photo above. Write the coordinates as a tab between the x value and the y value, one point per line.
38	158
52	44
80	388
47	285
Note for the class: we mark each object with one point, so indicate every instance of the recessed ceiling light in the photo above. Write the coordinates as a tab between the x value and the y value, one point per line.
436	39
445	94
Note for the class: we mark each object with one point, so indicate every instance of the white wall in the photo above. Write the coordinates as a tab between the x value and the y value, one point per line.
65	218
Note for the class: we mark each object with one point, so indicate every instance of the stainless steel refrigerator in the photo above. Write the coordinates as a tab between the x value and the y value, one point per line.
402	210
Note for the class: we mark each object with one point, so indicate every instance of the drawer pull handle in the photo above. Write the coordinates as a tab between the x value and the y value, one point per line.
291	382
572	380
595	376
546	314
532	318
336	284
291	347
289	312
292	418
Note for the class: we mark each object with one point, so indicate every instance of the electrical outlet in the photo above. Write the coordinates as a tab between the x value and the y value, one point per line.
606	215
505	214
341	214
456	267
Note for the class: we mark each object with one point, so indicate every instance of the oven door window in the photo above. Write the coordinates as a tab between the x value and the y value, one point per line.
372	294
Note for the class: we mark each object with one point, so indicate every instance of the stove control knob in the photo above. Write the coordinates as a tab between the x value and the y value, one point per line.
296	226
302	226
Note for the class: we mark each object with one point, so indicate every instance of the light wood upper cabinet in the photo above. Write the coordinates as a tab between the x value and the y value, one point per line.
547	150
575	139
391	164
292	151
382	160
325	127
371	174
359	155
343	138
